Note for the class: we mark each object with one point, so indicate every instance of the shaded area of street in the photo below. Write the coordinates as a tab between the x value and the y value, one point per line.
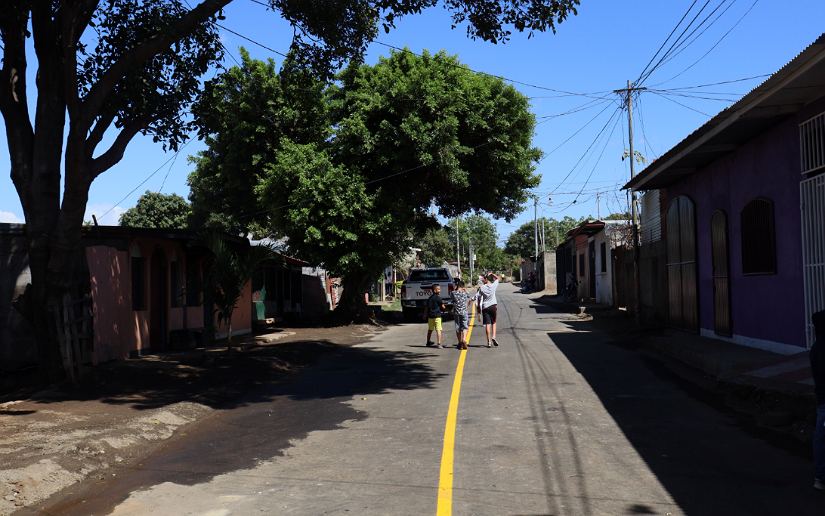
705	459
557	420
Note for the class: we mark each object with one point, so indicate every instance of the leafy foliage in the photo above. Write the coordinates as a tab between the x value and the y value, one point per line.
228	272
404	135
436	247
157	210
243	116
521	242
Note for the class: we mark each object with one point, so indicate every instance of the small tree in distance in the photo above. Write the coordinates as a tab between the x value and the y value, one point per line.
158	211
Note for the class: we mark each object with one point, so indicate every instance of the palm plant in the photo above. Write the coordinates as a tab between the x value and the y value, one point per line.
229	271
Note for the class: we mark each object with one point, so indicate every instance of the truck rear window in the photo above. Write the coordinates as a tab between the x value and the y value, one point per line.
429	275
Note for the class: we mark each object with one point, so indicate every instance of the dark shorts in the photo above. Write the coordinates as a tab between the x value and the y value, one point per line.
488	315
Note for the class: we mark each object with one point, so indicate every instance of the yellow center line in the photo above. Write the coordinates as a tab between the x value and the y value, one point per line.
445	480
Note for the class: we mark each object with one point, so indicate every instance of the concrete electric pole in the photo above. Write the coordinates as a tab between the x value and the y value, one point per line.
634	216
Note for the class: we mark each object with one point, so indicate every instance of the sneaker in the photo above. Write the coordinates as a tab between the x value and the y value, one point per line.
440	346
495	342
819	485
489	344
430	344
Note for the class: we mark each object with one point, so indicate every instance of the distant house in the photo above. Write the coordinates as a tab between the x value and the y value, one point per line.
615	233
743	204
577	256
146	288
285	287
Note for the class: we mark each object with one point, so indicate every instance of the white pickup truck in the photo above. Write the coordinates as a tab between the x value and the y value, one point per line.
419	286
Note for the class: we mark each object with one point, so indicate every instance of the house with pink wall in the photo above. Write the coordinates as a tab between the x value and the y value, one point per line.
147	290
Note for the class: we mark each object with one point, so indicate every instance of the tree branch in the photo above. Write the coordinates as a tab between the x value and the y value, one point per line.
13	98
99	129
143	52
115	153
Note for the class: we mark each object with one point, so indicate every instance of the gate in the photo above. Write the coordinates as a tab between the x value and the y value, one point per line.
681	264
812	195
721	274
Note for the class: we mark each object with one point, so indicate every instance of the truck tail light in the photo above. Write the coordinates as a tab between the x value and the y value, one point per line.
403	291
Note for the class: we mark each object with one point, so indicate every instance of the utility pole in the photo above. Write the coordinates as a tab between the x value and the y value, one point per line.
598	206
543	246
471	258
457	248
634	216
536	224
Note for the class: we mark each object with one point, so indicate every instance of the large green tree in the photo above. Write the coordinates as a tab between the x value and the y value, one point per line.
157	210
436	247
407	134
521	242
136	71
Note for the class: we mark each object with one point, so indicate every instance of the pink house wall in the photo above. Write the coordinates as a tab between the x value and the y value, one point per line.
118	329
241	317
110	280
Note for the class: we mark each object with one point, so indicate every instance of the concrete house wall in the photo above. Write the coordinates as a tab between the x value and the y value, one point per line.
766	309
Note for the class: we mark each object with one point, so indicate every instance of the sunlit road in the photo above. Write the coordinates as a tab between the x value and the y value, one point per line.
555	421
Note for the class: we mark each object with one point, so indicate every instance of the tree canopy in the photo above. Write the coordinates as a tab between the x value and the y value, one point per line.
521	242
111	69
436	247
407	134
157	210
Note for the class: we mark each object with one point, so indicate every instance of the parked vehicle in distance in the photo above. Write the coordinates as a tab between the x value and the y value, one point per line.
419	286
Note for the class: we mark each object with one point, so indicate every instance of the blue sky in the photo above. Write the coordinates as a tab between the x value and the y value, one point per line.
598	50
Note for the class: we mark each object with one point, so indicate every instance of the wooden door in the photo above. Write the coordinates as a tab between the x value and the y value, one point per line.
681	264
722	323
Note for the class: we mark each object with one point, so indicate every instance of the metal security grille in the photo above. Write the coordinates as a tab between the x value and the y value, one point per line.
813	249
812	143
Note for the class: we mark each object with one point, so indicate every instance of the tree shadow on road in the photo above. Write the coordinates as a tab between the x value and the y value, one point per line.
223	380
698	452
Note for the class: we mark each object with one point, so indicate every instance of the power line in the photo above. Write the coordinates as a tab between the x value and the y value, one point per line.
673	31
252	41
174	156
496	76
679	103
580	129
587	150
673	46
719	41
697	86
689	43
599	159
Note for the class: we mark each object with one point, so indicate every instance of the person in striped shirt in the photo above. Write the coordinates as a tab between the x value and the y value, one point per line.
461	316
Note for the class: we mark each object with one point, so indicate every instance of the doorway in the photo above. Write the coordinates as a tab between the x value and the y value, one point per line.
681	264
159	304
722	323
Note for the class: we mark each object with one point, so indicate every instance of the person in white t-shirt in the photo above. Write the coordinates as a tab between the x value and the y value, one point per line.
486	294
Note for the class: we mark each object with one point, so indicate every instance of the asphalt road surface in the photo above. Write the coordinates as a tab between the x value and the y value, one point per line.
557	420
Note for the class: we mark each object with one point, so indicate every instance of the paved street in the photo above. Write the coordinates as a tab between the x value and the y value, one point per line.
555	421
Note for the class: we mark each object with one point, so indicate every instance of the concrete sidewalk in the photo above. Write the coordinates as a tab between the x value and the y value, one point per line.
774	392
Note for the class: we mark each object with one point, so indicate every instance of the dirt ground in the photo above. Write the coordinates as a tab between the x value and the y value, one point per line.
55	438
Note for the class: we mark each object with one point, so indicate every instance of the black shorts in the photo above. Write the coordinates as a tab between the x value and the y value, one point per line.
488	315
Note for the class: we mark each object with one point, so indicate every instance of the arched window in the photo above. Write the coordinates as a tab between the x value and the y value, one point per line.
758	238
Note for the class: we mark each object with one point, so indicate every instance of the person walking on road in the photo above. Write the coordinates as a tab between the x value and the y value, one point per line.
487	295
817	356
461	316
435	308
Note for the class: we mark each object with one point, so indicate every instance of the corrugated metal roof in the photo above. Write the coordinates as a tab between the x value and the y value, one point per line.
746	103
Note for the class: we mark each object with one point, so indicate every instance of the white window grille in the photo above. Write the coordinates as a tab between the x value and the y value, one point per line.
812	143
813	249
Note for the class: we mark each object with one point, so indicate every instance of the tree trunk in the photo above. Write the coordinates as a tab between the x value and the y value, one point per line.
353	308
